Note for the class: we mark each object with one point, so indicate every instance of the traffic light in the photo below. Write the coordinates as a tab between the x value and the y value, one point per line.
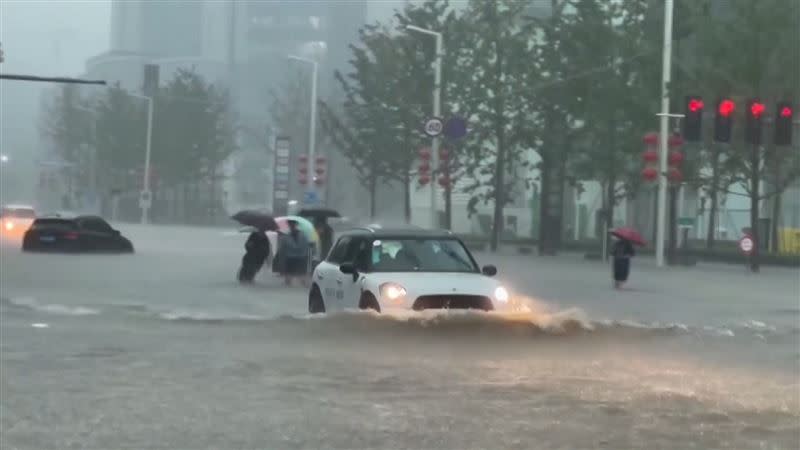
693	125
754	115
723	120
783	123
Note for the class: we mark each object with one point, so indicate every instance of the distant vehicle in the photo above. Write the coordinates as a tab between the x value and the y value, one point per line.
78	234
16	219
403	269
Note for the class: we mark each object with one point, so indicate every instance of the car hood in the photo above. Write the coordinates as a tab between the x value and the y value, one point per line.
430	283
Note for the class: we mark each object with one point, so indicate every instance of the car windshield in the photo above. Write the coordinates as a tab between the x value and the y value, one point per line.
420	255
20	213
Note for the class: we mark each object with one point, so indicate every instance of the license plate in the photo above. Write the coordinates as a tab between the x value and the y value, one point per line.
47	238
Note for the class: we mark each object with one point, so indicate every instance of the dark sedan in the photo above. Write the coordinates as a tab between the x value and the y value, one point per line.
78	234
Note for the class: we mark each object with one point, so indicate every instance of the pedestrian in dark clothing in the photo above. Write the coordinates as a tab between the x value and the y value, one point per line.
325	233
622	251
257	251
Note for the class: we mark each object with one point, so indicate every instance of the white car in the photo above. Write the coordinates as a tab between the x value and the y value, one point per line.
408	269
16	219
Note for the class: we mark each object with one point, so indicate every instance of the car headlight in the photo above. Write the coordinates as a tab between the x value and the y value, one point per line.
501	294
392	291
9	225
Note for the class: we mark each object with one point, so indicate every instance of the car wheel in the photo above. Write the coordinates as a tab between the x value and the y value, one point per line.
316	305
368	301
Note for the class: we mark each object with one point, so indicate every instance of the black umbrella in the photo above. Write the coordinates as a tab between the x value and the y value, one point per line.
318	213
258	219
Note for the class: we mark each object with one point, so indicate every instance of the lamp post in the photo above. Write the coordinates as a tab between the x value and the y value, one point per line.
437	110
145	199
312	127
666	73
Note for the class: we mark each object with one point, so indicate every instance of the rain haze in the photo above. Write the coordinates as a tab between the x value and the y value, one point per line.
363	224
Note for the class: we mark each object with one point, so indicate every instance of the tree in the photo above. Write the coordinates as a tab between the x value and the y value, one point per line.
493	54
67	122
121	136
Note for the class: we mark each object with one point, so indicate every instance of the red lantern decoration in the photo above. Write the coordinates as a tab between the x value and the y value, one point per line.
319	181
675	158
444	182
650	139
650	156
649	174
424	153
444	154
321	160
424	167
320	170
424	179
303	170
303	180
303	158
675	141
674	175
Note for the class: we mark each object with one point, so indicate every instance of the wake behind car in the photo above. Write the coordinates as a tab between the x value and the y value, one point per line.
78	234
15	219
403	269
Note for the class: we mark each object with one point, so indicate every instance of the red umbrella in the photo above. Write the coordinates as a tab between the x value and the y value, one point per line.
629	234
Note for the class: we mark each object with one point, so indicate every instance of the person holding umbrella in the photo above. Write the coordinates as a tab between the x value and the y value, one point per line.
257	248
622	252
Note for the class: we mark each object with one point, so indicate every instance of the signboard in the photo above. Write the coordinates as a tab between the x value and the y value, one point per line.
310	198
434	126
280	187
686	222
455	128
746	244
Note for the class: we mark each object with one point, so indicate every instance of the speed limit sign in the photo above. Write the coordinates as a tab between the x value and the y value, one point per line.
746	245
434	126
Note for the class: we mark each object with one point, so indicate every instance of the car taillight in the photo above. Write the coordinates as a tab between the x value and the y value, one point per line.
71	235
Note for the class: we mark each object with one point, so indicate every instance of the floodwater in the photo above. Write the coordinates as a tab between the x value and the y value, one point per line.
163	349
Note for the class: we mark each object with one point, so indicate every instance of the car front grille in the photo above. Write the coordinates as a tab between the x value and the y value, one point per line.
453	302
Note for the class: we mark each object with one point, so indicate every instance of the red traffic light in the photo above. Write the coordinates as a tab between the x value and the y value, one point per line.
786	111
757	109
726	107
649	174
696	105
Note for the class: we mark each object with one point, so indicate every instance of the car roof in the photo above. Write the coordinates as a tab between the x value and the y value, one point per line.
18	207
398	232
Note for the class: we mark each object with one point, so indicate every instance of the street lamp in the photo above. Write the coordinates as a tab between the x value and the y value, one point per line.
3	159
145	200
437	110
312	127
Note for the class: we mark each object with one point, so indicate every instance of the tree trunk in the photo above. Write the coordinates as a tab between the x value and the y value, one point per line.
775	243
755	180
407	197
373	187
672	248
610	200
713	197
448	206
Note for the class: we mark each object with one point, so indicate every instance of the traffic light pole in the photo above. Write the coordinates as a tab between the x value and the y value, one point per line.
663	149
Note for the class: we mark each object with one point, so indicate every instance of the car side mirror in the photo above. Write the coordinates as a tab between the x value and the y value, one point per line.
348	268
116	233
489	270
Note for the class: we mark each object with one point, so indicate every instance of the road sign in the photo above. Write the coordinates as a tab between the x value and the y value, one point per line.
455	128
310	197
746	244
434	126
686	222
145	199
